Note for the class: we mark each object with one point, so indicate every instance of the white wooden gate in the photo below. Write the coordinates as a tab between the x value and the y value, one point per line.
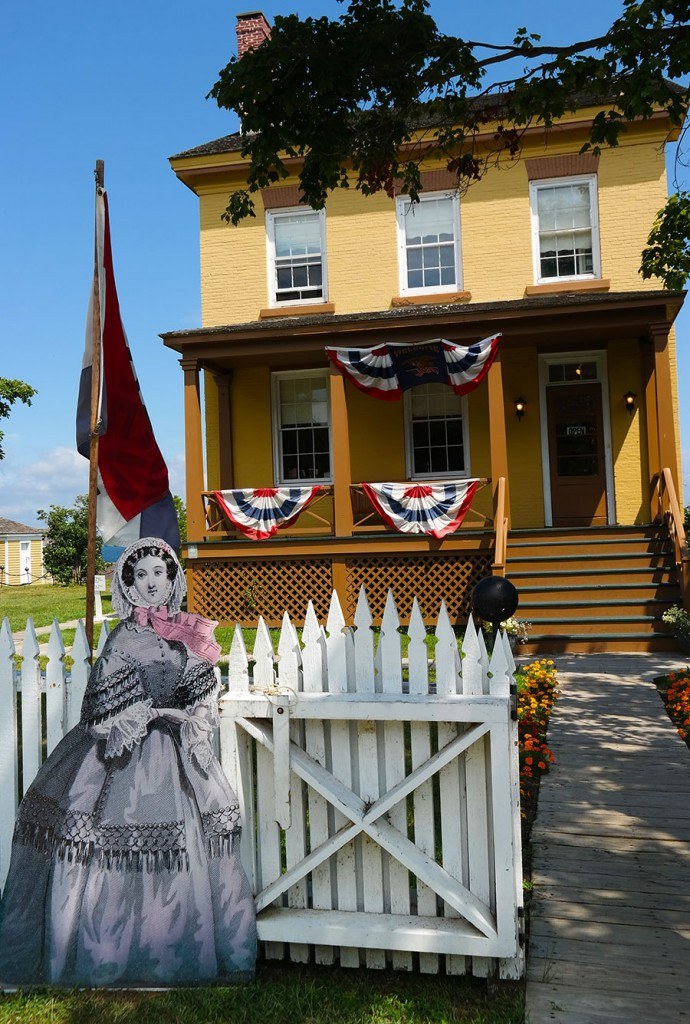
380	800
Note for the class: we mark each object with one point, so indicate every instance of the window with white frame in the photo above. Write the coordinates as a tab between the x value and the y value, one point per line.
429	244
296	256
436	432
301	427
565	228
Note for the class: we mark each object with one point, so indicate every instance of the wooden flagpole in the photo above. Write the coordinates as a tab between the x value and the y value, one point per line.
99	174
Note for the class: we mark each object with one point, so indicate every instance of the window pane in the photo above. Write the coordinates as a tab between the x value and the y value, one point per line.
298	257
437	442
304	428
297	234
565	249
430	237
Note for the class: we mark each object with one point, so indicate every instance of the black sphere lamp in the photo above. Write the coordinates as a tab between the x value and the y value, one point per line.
494	599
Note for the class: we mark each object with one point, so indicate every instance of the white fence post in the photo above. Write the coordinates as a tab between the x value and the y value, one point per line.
8	747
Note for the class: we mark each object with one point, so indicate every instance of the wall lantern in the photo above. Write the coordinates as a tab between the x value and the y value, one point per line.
629	399
520	404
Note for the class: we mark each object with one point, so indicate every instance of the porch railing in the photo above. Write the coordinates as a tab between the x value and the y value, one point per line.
316	521
673	517
500	529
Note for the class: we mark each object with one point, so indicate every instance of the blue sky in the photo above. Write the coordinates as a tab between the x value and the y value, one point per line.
126	83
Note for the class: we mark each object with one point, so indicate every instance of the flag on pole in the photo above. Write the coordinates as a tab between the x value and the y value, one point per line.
134	498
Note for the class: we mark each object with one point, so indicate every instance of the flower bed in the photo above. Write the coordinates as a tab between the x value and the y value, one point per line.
676	697
537	692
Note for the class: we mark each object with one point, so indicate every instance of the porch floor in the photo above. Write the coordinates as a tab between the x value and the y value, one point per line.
610	914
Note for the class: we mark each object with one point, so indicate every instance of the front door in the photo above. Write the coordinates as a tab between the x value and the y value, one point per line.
577	460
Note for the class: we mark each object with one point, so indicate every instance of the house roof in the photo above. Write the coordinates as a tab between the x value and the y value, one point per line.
577	320
466	311
233	143
8	526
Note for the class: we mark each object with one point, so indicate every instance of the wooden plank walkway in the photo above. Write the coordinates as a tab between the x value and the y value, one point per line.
610	916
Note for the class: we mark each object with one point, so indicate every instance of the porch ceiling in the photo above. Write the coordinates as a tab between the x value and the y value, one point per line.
553	321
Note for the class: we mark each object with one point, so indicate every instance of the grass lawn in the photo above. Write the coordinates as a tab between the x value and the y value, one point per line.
44	602
285	994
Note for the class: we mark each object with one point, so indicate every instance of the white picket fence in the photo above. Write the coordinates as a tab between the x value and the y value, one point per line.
380	794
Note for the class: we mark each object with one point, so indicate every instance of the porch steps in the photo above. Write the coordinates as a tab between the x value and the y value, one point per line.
593	590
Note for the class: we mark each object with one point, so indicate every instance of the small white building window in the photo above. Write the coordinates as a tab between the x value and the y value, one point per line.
429	244
296	256
565	229
436	432
301	427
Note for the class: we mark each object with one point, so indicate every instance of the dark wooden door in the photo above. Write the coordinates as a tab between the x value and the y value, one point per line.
576	454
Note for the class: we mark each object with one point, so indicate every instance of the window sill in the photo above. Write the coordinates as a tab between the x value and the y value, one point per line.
435	298
306	310
601	284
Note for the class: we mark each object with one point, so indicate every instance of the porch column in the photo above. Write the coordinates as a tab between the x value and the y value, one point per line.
342	478
194	459
497	432
664	400
651	417
342	473
223	382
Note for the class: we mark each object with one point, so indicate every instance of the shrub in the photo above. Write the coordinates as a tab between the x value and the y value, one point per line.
679	621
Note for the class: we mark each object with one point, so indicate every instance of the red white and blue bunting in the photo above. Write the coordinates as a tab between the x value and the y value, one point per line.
434	509
258	513
386	371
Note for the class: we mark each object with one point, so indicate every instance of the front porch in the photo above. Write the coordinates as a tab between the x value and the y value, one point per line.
338	543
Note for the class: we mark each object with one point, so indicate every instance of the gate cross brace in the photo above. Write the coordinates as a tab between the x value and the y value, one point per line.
367	819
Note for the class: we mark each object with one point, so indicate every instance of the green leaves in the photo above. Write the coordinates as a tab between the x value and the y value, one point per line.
12	391
363	98
667	255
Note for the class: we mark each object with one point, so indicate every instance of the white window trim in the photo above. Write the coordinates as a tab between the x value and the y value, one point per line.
271	217
600	359
409	458
275	425
400	204
580	179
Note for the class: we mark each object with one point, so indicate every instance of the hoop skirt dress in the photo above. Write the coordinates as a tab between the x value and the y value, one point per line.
125	866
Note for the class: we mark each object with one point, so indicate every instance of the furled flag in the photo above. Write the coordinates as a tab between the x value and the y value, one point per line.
434	509
260	512
386	371
134	498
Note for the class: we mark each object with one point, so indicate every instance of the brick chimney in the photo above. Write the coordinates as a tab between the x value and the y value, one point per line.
251	28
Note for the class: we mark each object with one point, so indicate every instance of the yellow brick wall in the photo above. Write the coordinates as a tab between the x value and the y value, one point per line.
628	439
521	380
252	439
361	239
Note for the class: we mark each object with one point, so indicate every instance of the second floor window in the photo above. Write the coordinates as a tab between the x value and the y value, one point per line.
296	256
436	432
565	228
429	244
301	427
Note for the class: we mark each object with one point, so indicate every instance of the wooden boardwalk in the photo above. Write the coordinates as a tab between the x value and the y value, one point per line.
610	917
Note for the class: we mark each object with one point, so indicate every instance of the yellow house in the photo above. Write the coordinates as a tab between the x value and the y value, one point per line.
573	432
21	554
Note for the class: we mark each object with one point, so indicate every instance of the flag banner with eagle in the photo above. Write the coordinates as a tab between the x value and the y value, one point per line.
134	498
433	509
386	371
258	513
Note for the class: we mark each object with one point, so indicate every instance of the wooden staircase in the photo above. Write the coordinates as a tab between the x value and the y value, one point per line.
593	590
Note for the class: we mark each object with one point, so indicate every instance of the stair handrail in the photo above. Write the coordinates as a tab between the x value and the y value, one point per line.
673	517
498	567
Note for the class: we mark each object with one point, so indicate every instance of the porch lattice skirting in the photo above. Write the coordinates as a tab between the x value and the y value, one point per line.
239	589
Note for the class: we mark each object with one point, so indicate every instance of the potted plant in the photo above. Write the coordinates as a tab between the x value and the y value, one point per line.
679	621
516	629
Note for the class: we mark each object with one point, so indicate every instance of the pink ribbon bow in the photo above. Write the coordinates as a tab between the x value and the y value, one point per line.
193	630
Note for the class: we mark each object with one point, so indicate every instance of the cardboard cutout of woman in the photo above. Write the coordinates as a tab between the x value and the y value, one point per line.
125	865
